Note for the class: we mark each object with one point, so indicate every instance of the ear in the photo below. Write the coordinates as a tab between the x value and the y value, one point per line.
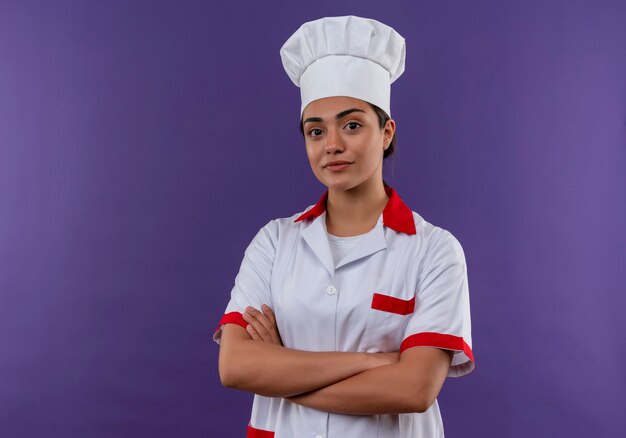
388	131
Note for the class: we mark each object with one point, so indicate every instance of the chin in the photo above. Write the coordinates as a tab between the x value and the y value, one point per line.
340	186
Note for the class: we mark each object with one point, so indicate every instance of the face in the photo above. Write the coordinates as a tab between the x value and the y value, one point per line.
344	142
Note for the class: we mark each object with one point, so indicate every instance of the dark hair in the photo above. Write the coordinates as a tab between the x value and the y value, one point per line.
382	121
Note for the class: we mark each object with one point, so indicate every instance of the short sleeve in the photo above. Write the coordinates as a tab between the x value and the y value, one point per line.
252	283
442	310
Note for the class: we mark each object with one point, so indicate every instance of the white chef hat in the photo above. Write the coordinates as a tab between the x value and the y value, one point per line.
344	56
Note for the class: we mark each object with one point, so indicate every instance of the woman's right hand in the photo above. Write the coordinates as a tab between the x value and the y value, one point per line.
284	372
262	325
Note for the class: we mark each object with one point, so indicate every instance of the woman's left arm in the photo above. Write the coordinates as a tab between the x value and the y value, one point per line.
410	385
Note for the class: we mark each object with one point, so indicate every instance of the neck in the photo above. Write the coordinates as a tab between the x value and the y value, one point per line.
355	211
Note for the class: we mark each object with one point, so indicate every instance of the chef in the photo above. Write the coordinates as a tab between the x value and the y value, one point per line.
346	318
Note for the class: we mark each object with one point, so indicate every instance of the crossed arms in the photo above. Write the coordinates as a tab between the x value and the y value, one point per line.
254	360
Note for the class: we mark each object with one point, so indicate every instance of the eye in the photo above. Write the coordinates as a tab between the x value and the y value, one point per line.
352	126
315	132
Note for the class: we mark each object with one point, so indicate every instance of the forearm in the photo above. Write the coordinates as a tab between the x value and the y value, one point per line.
391	389
272	370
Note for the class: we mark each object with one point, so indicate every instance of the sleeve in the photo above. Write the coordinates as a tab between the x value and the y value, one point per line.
442	312
252	283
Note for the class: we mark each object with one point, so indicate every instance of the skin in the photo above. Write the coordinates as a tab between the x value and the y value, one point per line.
410	384
356	195
346	129
276	371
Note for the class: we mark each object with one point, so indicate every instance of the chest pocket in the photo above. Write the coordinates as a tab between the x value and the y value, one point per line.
391	306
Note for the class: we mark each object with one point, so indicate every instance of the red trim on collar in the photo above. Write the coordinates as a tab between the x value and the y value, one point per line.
396	214
317	209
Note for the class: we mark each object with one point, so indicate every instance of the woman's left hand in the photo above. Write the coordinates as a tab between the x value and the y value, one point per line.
262	324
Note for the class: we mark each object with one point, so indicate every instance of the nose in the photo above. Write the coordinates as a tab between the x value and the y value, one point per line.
333	143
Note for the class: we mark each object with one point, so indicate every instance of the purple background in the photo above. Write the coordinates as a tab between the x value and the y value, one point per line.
144	143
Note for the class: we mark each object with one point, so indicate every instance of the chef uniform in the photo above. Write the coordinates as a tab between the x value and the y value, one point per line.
401	285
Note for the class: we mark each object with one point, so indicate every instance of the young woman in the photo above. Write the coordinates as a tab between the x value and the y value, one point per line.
330	305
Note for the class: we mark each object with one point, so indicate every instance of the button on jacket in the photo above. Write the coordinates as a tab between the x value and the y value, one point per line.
403	285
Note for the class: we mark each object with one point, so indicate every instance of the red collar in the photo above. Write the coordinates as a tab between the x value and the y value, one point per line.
396	214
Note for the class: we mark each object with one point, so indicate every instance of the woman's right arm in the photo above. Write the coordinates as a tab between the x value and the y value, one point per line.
272	370
266	368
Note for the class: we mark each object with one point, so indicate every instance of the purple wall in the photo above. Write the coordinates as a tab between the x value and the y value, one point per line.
143	144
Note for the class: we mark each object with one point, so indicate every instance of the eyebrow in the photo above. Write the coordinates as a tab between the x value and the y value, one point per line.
337	117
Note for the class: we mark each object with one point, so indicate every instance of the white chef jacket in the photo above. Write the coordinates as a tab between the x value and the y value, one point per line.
403	285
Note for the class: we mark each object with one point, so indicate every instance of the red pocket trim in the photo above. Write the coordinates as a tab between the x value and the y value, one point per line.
258	433
393	304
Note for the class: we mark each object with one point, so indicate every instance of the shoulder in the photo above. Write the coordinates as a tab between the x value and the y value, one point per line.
282	226
437	241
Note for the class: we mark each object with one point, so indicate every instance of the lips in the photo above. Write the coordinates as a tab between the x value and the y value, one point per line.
337	166
337	163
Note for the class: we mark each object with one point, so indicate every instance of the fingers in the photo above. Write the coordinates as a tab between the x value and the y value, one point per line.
253	333
262	324
269	314
255	328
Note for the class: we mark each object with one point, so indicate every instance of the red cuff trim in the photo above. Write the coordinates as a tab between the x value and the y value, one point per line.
232	318
387	303
429	339
258	433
